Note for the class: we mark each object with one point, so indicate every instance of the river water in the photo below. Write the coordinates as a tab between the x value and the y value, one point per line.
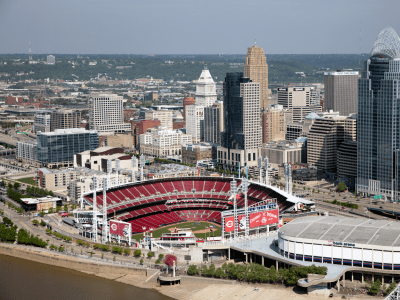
23	279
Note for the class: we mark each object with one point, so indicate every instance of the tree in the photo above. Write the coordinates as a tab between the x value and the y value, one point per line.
193	270
150	254
273	275
170	259
137	252
375	287
17	185
35	222
161	256
342	186
66	208
219	273
141	261
127	251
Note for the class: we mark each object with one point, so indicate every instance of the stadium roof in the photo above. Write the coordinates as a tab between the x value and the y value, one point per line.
387	43
346	230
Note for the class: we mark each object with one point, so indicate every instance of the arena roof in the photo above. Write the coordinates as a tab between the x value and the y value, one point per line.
346	230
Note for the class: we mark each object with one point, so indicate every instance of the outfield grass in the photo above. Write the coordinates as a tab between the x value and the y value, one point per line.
28	180
158	232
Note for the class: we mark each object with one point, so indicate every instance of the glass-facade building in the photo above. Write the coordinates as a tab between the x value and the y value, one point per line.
60	146
378	139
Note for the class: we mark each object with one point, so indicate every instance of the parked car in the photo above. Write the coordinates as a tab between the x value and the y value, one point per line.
384	218
380	207
343	207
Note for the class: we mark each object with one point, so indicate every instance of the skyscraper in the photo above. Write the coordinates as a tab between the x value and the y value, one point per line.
242	134
256	68
206	93
341	92
214	122
195	122
378	125
105	113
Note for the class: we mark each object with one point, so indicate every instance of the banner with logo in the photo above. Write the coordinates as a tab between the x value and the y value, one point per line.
264	218
229	224
119	228
242	222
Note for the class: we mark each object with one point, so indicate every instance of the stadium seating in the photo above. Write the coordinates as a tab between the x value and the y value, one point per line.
170	200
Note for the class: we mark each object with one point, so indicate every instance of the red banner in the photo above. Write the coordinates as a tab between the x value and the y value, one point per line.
264	218
119	228
229	224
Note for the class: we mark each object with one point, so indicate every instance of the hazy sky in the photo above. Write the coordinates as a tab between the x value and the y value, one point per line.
193	27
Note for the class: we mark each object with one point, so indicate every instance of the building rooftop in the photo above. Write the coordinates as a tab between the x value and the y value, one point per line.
387	43
346	230
68	131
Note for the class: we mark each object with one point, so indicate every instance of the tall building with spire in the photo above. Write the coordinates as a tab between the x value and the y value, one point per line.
378	119
206	93
256	68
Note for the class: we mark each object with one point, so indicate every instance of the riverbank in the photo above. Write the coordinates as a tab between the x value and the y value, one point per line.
190	288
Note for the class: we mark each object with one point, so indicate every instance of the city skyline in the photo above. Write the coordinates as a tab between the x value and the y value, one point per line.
129	27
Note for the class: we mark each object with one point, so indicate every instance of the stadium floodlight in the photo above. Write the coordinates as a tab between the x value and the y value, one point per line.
94	226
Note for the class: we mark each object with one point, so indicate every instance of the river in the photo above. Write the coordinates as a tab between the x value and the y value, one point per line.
23	279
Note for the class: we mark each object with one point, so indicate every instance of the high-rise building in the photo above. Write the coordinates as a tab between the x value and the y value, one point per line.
59	147
195	122
106	113
341	92
187	101
42	122
163	115
256	68
324	139
242	131
273	120
378	139
214	122
299	101
65	119
206	93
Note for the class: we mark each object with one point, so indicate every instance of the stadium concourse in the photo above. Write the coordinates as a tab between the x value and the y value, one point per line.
160	202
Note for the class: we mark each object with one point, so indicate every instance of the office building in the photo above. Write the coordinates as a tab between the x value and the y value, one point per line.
106	113
97	159
196	153
57	148
324	139
163	115
152	96
273	120
195	122
282	152
378	140
300	129
140	126
65	119
347	163
214	122
162	142
256	68
42	122
51	59
206	93
341	92
187	101
241	137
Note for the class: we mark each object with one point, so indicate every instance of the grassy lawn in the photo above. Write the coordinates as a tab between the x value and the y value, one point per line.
28	180
158	232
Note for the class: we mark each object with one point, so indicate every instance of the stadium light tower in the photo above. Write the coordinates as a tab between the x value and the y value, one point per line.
286	178
105	187
94	229
133	166
142	163
260	168
266	170
245	189
117	166
144	233
289	170
235	216
109	168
